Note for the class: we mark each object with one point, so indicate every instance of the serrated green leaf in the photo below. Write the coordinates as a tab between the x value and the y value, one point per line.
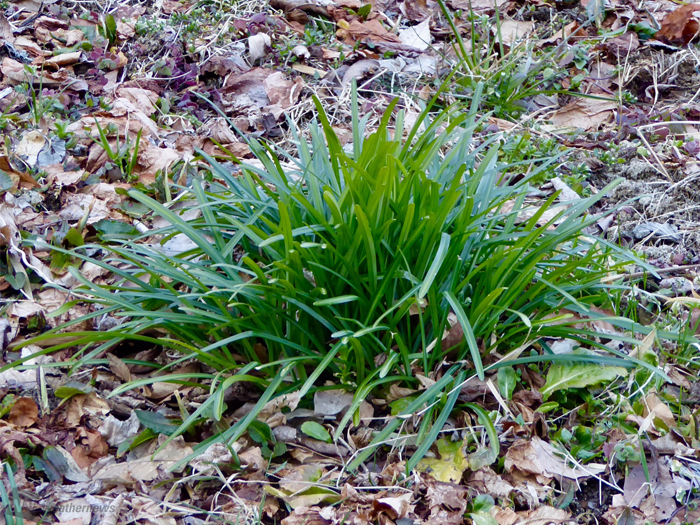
575	375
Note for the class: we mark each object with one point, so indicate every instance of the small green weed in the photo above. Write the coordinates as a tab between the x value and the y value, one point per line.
11	502
123	155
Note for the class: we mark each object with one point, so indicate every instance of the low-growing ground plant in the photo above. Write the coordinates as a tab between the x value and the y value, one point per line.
410	253
10	503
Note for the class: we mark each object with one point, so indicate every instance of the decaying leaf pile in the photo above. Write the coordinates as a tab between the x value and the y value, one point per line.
99	98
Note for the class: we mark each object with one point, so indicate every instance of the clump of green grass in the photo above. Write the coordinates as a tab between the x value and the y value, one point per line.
352	266
10	502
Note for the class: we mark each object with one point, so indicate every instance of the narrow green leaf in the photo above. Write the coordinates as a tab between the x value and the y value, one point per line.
468	333
341	299
435	266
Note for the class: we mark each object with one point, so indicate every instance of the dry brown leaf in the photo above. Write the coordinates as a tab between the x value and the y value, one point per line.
258	45
135	119
673	443
77	204
76	511
486	481
65	59
58	36
567	194
621	46
272	414
603	75
479	6
24	413
681	26
119	368
162	389
253	458
359	70
503	125
296	10
223	65
83	404
308	70
330	54
560	35
55	174
513	31
87	127
653	489
543	516
398	392
282	92
371	30
652	403
91	446
147	469
447	502
417	36
29	147
219	130
143	100
6	29
539	458
504	516
584	113
152	159
18	177
395	507
306	516
623	514
415	10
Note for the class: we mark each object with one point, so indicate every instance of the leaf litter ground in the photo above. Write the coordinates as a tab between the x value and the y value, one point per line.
96	98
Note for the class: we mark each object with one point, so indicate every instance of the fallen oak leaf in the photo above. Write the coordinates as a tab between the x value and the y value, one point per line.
680	26
478	6
584	113
24	413
395	507
512	31
298	10
359	70
541	459
372	30
564	33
